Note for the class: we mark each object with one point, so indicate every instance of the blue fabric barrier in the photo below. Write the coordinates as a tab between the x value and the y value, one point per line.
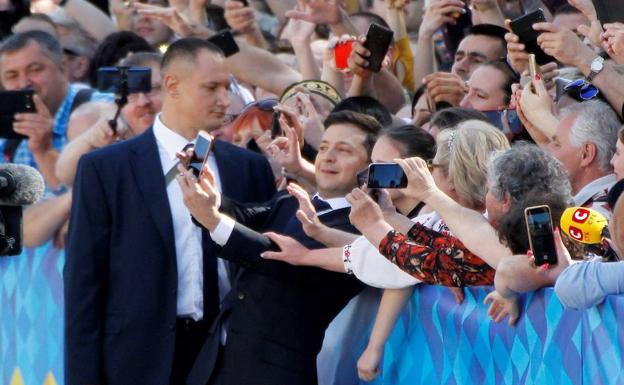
435	340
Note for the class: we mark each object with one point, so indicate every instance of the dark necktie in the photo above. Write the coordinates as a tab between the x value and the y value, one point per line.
320	205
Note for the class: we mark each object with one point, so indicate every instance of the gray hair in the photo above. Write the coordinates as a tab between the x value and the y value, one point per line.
50	47
526	168
596	123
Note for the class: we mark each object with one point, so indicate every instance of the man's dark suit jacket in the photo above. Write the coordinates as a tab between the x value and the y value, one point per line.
121	274
276	313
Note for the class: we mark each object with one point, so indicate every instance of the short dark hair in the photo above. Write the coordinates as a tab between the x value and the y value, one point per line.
413	141
452	116
366	105
366	123
114	48
493	31
188	48
48	43
510	76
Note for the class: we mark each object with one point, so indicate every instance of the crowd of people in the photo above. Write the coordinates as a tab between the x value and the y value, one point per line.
233	272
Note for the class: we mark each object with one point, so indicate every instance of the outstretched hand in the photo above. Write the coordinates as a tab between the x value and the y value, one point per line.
291	251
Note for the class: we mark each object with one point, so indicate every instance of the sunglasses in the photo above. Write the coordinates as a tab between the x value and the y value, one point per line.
581	90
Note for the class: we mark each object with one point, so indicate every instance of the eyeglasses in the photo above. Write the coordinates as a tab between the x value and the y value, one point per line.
431	165
581	89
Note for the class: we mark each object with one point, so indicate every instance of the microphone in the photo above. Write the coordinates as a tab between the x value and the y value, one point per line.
20	185
584	225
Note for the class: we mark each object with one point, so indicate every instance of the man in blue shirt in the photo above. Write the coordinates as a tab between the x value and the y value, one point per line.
34	60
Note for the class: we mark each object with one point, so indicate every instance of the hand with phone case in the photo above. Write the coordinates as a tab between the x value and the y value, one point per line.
563	44
535	112
377	42
37	126
239	16
437	14
366	216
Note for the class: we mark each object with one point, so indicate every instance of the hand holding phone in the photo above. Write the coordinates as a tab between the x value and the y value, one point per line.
201	151
386	175
523	27
11	103
377	42
540	232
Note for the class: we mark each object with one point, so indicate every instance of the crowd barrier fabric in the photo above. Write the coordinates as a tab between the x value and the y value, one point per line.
435	340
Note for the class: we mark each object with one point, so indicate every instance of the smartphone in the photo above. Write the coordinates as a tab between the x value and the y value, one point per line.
113	79
201	151
523	27
378	41
505	120
225	40
386	175
454	33
11	103
609	11
276	127
362	180
540	231
533	71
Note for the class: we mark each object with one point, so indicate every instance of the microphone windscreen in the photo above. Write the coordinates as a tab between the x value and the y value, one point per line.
29	185
582	224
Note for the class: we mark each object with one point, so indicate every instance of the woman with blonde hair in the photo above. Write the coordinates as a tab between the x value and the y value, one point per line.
422	249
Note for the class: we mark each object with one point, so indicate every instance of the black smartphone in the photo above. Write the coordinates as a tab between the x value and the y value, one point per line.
386	175
540	231
454	33
276	127
113	79
378	41
225	40
609	11
11	103
201	151
523	27
505	120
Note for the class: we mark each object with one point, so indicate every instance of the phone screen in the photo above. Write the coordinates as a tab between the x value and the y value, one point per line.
386	175
203	146
276	127
541	239
11	103
110	78
505	120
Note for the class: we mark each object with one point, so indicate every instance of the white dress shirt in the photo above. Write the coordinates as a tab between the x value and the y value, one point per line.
188	238
594	194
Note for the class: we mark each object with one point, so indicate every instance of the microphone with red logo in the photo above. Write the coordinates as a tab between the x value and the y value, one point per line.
584	225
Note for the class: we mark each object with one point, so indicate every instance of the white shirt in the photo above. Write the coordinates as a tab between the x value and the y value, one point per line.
188	238
362	259
596	190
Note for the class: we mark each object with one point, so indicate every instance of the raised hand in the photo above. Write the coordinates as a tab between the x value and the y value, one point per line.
439	13
201	197
445	87
317	11
563	44
179	23
365	213
291	251
501	307
420	183
37	126
306	214
239	17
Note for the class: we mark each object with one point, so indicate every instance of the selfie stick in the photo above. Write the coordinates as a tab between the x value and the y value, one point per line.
122	100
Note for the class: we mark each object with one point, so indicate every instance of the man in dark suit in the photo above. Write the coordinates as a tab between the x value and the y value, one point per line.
142	282
276	314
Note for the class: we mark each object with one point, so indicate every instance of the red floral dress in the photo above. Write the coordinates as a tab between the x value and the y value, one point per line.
435	258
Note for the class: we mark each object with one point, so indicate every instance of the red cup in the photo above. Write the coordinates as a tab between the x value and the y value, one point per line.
342	51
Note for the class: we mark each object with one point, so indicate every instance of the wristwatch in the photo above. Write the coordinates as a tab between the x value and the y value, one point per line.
596	66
